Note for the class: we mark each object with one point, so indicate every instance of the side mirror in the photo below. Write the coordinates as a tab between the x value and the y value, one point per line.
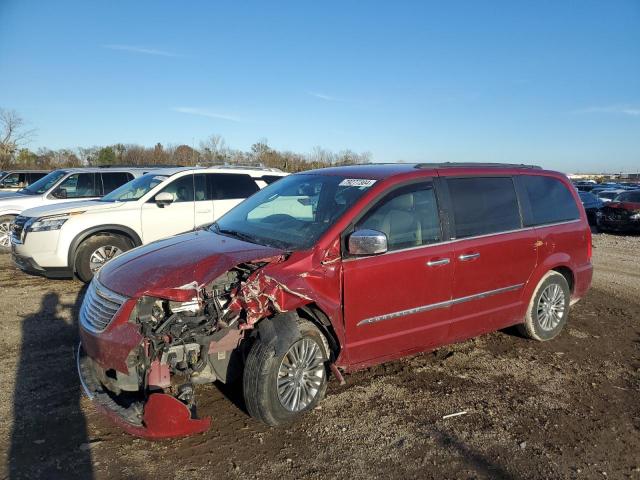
164	198
60	193
367	242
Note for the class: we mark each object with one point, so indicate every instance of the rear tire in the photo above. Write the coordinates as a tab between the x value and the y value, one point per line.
5	232
96	251
270	381
548	308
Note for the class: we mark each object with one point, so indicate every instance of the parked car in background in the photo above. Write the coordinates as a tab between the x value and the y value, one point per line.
63	185
621	214
78	238
14	180
592	205
607	195
338	268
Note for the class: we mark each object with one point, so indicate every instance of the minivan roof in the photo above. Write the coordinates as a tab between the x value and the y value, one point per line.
25	171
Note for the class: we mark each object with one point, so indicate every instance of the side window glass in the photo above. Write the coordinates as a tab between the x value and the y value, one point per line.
79	185
227	186
113	180
550	200
11	180
407	216
483	206
181	189
201	193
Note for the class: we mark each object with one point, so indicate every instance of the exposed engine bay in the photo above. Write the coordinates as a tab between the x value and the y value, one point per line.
187	343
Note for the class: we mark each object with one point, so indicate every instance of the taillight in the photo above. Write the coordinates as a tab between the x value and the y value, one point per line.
589	244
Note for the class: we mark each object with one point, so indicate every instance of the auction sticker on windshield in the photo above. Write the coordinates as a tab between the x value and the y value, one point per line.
356	182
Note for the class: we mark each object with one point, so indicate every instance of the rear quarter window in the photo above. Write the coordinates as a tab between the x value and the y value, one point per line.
550	200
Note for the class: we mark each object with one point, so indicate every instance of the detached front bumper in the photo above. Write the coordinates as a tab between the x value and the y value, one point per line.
161	416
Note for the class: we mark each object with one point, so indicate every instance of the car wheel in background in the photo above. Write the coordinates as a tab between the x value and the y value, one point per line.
548	309
5	232
97	250
279	388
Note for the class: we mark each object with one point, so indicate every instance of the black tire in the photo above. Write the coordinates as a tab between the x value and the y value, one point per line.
543	324
5	223
92	244
261	374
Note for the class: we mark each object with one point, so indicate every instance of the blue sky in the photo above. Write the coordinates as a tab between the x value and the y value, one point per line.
550	82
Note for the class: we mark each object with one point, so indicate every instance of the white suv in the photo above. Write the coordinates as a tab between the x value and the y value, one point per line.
64	185
58	241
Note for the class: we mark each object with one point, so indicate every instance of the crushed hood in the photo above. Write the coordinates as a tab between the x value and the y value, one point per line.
169	268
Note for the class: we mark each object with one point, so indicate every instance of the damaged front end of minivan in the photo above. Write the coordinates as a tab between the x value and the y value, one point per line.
141	368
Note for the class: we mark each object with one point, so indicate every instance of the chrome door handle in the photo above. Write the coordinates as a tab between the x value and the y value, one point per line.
465	257
203	211
440	261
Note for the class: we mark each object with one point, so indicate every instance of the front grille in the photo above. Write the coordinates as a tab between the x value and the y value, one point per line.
99	307
17	229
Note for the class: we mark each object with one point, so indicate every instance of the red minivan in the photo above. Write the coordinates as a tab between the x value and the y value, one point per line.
324	272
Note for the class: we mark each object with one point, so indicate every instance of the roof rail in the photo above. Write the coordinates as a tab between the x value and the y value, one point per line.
247	167
138	166
475	165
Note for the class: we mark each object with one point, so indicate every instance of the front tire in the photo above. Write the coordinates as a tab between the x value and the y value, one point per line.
97	250
548	308
278	389
5	232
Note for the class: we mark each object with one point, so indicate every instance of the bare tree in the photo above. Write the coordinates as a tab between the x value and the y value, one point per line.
13	134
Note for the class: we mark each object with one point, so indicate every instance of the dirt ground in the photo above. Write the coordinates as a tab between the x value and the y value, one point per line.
569	408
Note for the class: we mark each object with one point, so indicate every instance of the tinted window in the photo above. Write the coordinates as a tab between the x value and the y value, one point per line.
112	180
483	205
633	197
550	200
181	189
202	193
229	185
79	185
408	217
33	176
12	180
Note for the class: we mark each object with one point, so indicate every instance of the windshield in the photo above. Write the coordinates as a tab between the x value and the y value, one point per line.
632	197
44	184
294	212
135	189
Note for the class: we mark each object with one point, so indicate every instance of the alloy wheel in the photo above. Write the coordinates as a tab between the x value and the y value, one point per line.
300	375
551	307
101	256
5	232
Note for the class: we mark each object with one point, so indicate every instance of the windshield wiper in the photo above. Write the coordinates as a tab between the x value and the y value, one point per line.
235	233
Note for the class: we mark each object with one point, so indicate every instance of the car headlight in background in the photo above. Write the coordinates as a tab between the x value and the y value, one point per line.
635	216
46	224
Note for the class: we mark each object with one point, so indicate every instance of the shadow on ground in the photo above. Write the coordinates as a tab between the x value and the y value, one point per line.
49	437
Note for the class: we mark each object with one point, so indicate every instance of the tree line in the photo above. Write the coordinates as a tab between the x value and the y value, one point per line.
14	154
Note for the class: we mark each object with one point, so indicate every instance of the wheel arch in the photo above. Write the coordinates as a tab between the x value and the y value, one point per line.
90	232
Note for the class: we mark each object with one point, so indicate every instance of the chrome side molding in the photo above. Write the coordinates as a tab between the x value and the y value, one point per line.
444	304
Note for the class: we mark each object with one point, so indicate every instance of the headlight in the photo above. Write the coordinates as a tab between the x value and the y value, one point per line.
635	216
46	224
